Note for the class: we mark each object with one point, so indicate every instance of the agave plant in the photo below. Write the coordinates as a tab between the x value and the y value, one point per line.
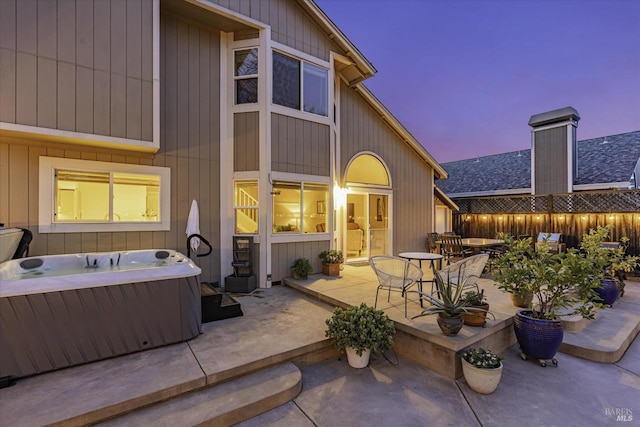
451	302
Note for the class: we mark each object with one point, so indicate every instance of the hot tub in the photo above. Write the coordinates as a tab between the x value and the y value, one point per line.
58	311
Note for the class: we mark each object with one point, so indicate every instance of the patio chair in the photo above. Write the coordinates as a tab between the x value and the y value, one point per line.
465	272
395	274
452	248
430	242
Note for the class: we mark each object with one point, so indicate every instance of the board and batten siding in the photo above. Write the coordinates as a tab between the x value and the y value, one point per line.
284	255
290	25
84	66
551	162
190	146
412	178
246	148
299	146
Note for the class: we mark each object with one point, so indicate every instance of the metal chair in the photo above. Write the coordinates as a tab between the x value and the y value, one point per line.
395	274
465	272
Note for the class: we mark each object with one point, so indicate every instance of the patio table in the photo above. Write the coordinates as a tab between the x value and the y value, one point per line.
423	256
478	243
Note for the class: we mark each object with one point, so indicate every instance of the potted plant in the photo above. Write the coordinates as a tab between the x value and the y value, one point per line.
479	301
560	283
450	306
358	331
331	261
482	369
609	262
511	279
301	268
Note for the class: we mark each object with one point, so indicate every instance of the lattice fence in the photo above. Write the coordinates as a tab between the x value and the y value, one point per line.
593	202
618	201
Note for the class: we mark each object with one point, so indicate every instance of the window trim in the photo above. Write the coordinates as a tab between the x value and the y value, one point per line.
236	78
47	168
301	232
302	59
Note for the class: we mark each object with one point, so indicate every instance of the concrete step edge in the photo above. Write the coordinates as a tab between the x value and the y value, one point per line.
222	404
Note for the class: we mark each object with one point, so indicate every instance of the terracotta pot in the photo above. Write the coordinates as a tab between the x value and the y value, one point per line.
331	269
476	318
450	326
356	361
481	380
520	301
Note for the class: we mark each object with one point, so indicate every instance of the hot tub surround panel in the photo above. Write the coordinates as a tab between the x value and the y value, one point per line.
58	327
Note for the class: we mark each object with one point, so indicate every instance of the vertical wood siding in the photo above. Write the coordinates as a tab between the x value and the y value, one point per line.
551	161
290	24
412	178
284	254
299	146
190	147
246	147
82	66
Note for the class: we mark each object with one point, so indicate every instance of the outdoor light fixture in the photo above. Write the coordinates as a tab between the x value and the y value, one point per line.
340	196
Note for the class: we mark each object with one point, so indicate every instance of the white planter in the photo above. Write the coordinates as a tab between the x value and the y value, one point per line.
356	361
483	381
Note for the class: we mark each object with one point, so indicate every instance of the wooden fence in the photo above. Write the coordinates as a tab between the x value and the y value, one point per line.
572	215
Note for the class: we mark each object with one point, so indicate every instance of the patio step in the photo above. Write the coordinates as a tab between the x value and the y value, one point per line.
216	304
223	404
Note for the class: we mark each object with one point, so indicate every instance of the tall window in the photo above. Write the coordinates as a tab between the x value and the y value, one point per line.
80	195
246	76
245	206
299	207
298	84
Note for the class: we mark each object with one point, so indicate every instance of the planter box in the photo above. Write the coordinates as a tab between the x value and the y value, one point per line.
240	284
331	269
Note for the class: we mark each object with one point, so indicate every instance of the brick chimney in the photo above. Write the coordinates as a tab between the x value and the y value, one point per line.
553	151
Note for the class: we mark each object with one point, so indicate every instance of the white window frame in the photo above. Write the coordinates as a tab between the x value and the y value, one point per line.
46	196
246	76
297	234
302	60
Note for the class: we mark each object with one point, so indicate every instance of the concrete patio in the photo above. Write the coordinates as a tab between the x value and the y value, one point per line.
274	367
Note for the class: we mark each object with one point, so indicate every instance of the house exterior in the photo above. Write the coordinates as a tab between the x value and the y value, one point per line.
559	185
116	115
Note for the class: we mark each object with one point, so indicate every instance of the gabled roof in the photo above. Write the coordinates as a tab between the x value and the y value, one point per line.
599	162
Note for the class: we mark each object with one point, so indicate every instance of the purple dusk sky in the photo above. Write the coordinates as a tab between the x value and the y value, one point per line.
464	77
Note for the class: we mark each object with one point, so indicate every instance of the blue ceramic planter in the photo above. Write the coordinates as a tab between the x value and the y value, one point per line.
609	292
537	338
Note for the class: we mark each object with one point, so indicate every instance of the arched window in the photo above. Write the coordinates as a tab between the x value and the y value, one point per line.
368	169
